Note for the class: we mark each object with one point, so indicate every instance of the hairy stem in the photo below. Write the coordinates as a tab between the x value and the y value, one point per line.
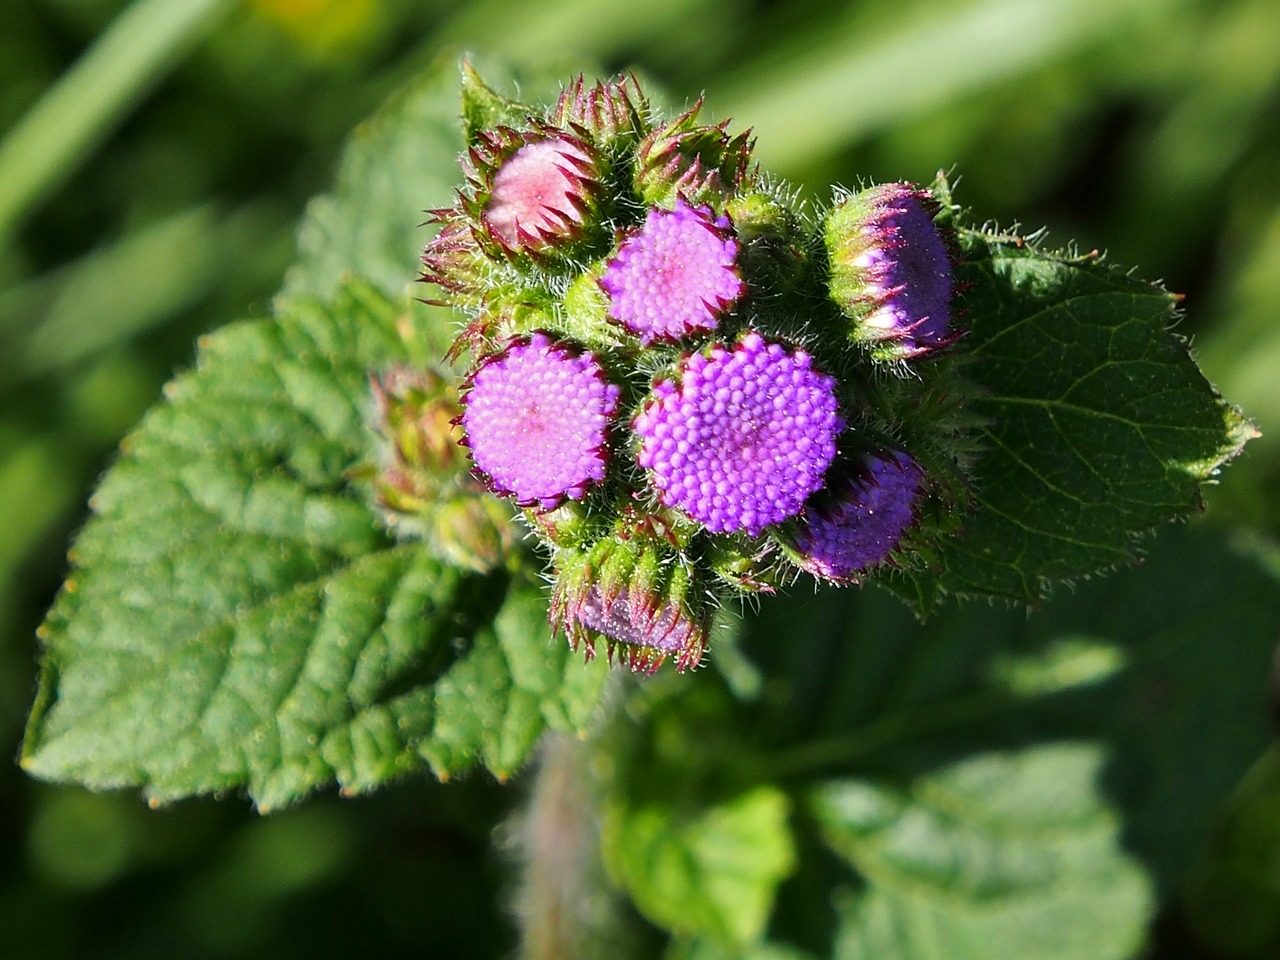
563	905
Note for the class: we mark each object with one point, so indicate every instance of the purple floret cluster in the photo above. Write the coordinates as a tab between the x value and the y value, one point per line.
743	438
685	378
675	276
860	520
537	417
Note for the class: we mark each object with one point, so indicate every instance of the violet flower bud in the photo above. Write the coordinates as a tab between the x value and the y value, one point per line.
631	590
858	521
890	272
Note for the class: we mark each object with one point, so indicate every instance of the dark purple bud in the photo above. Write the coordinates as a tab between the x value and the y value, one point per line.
858	521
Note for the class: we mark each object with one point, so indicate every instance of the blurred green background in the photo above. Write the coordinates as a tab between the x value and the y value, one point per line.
155	156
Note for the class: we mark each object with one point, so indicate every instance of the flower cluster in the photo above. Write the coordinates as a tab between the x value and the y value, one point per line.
692	385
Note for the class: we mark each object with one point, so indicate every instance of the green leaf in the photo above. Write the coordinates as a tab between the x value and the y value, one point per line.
711	950
483	108
1011	854
1124	714
1098	424
238	616
712	873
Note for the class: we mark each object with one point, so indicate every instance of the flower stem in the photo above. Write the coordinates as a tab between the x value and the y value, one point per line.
834	753
564	906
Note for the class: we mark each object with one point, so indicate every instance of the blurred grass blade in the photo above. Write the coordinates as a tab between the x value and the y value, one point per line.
34	490
844	92
594	27
139	282
91	97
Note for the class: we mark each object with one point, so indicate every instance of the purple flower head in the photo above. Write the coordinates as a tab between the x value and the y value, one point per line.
858	522
536	418
676	275
889	268
744	438
540	194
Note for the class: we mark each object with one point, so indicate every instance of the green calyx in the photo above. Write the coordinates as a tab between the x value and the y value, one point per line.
635	589
702	163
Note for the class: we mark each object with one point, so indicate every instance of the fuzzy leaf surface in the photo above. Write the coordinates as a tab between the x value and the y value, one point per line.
237	616
1001	853
712	874
992	777
1097	423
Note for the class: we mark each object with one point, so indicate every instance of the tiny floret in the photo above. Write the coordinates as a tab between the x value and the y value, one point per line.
744	438
858	522
537	418
675	276
538	195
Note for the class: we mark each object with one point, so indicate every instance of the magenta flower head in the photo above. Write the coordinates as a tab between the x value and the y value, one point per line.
890	271
631	590
859	521
537	418
744	438
675	276
540	194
